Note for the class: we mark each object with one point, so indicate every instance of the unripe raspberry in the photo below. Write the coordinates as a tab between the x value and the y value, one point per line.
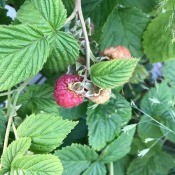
103	97
117	52
63	95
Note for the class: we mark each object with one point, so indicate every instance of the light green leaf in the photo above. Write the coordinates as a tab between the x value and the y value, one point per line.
15	149
157	40
96	168
46	15
110	74
157	100
151	164
76	158
125	26
37	98
47	131
64	51
22	59
119	147
36	165
2	127
98	10
168	72
105	121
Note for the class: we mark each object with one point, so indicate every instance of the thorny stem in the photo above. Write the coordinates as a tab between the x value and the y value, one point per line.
12	111
7	93
14	130
88	50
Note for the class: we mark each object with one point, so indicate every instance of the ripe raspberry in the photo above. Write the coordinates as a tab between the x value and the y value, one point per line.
63	95
103	97
117	52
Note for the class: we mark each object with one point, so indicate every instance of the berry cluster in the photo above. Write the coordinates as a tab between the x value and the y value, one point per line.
67	96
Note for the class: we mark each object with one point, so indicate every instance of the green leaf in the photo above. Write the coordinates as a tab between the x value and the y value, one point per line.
105	121
157	100
2	127
37	164
98	10
151	164
73	113
46	15
157	40
15	149
2	3
96	168
121	166
147	128
124	26
37	98
110	74
76	158
47	131
145	5
140	73
168	72
119	147
64	51
69	4
4	18
23	59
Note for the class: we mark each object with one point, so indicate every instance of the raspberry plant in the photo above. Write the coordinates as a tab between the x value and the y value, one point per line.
105	108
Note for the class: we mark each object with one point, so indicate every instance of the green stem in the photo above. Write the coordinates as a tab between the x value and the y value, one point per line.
88	49
11	115
111	168
7	93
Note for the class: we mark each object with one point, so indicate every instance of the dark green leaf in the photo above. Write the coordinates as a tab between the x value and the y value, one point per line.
120	147
125	26
105	121
4	19
37	98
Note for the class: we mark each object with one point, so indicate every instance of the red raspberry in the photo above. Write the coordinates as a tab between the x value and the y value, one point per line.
63	95
117	52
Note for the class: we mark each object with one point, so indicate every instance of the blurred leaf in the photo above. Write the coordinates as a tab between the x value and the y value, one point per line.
98	10
105	121
2	3
139	75
4	19
121	166
69	4
125	27
2	128
157	163
157	39
168	71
